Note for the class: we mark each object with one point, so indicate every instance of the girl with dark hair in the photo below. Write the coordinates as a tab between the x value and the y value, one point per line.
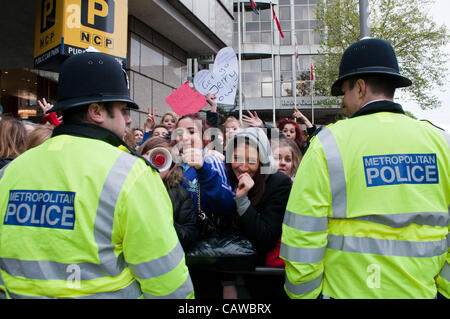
261	197
261	191
204	176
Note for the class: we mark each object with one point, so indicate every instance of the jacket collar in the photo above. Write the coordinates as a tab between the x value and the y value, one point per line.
379	106
93	131
90	131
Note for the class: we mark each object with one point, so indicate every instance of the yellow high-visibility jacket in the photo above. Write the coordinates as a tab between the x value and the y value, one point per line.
80	218
368	214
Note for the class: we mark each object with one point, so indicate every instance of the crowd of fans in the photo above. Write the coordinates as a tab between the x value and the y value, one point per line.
238	174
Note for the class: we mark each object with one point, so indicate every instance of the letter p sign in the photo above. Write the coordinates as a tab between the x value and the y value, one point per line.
48	10
98	14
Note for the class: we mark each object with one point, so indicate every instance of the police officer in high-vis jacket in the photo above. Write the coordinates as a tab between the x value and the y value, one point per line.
80	215
368	214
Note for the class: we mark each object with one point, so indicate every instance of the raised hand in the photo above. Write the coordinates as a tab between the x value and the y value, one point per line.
299	115
245	184
150	122
193	157
211	99
253	119
45	106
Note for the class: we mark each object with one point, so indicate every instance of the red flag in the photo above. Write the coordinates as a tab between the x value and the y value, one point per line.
312	72
296	50
255	9
278	22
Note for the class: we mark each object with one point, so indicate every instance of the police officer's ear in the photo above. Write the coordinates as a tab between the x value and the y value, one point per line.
96	113
361	88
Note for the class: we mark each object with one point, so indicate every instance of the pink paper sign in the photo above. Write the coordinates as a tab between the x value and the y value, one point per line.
185	100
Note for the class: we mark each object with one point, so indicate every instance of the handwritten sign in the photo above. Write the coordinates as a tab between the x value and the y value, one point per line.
185	100
223	80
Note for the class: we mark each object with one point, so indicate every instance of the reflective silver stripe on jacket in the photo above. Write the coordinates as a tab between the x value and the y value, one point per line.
180	293
446	137
303	288
2	291
336	173
104	219
110	265
445	272
159	266
302	255
132	291
406	219
49	270
305	223
387	247
2	171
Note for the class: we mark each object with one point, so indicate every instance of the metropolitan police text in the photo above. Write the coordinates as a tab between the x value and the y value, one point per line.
51	209
401	169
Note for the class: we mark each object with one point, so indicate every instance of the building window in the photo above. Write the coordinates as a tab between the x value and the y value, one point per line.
135	52
251	90
285	63
266	64
285	13
266	89
151	61
253	26
287	38
305	22
286	88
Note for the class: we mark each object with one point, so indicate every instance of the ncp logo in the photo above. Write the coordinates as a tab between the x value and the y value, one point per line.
98	14
48	14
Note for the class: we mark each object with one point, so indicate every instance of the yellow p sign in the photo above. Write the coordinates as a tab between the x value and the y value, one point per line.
98	14
94	11
48	14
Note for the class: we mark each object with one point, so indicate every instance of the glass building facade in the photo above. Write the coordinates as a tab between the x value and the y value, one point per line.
263	49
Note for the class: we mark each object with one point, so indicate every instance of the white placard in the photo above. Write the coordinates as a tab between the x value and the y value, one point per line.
223	80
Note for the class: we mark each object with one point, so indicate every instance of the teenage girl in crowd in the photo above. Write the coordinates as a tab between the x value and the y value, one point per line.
161	131
138	135
261	197
231	126
205	178
184	214
287	156
168	120
13	139
292	131
204	174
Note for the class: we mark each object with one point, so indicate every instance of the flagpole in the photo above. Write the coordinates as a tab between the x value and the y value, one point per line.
273	68
312	100
294	87
240	60
312	70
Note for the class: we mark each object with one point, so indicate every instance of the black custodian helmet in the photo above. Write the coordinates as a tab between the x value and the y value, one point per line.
369	56
91	77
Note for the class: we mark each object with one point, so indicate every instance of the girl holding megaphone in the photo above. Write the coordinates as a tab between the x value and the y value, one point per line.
158	151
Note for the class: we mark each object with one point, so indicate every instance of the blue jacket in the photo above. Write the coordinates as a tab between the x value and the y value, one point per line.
216	193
